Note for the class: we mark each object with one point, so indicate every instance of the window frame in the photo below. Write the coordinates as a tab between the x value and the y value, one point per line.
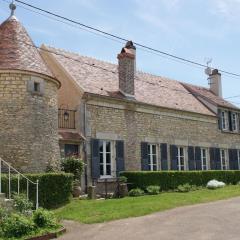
225	165
151	155
234	122
204	166
179	156
104	163
224	120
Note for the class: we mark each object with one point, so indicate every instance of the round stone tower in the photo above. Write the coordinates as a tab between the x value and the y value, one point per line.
28	102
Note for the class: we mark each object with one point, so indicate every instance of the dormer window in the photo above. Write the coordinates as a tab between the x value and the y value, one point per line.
234	121
224	120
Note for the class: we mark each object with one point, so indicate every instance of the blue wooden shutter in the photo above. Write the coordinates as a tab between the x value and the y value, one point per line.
191	158
174	161
230	120
217	159
212	158
120	166
144	155
220	119
95	159
198	158
164	158
233	159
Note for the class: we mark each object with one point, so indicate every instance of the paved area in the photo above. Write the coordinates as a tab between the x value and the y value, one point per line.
212	221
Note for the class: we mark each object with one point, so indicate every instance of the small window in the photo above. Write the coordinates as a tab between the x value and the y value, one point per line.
223	157
152	157
224	120
181	158
36	87
234	121
204	158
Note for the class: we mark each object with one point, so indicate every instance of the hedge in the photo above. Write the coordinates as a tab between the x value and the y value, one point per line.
169	180
55	189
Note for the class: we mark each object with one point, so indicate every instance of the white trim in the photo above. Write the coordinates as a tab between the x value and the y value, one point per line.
224	120
151	155
204	166
224	159
179	156
234	122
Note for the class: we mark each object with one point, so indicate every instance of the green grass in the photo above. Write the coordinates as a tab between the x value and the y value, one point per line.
95	211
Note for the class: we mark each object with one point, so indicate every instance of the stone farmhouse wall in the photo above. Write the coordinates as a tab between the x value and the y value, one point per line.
28	121
134	123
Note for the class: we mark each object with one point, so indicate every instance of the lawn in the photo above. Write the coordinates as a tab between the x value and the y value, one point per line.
95	211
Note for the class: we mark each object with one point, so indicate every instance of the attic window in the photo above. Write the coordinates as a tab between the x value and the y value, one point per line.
36	87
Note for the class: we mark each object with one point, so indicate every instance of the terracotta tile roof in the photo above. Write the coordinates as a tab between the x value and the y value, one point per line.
150	89
209	96
16	52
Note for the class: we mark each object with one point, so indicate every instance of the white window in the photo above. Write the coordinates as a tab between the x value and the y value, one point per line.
152	157
234	121
204	159
181	158
238	159
224	120
223	156
105	150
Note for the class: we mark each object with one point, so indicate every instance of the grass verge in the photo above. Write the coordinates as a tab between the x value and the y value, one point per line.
96	211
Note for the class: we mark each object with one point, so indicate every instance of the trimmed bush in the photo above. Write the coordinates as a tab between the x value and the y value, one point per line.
43	218
55	189
153	190
170	180
136	192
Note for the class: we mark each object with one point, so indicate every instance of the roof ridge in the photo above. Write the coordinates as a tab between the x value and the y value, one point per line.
79	55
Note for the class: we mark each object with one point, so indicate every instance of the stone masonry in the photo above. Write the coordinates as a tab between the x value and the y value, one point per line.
28	133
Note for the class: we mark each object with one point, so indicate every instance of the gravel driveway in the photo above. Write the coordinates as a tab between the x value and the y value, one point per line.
216	221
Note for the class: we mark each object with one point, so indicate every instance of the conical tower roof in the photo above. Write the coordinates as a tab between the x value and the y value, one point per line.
17	51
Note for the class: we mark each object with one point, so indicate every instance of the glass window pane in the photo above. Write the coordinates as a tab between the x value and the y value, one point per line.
108	146
108	157
154	159
100	146
149	149
154	167
153	149
101	157
181	151
101	170
108	169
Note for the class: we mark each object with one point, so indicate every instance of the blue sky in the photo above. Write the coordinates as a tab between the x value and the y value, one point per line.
196	30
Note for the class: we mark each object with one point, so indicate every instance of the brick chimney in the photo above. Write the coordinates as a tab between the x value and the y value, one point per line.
215	82
127	69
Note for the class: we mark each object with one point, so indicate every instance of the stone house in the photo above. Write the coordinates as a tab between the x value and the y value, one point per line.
114	116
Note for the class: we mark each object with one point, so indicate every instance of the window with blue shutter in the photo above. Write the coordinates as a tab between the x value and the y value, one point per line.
144	156
174	160
198	158
217	159
230	121
220	119
95	159
191	159
212	159
120	166
233	159
164	158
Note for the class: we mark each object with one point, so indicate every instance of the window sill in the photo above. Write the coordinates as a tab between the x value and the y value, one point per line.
107	178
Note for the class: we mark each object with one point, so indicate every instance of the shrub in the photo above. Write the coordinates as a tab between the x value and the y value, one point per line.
214	184
17	226
122	179
136	192
21	204
153	190
3	214
54	188
169	180
184	188
73	165
43	218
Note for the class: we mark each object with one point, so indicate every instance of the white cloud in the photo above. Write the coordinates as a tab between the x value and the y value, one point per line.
229	9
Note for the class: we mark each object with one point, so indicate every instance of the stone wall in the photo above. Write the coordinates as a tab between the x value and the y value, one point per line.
135	123
28	122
